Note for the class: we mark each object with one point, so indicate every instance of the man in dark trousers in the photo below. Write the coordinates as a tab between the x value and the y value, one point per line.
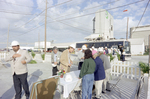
55	57
19	59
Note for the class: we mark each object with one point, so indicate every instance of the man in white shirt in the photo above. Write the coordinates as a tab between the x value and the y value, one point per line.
81	56
19	59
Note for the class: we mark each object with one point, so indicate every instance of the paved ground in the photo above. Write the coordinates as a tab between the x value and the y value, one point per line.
44	70
139	58
148	97
36	72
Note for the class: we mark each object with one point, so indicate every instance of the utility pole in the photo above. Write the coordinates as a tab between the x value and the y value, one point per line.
149	53
45	26
39	41
127	28
7	38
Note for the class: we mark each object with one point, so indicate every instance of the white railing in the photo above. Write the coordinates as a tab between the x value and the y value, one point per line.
3	55
129	69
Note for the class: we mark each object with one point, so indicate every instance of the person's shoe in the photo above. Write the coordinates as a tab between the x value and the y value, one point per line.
97	98
103	92
108	90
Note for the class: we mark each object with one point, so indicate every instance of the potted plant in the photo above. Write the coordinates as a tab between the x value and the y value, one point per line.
111	57
144	67
145	70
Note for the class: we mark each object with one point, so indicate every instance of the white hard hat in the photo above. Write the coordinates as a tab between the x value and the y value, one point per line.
14	43
93	47
84	47
72	45
105	47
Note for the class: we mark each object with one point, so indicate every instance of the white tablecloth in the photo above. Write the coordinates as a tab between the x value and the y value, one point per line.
69	86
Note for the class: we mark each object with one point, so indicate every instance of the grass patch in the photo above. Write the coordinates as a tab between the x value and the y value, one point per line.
43	56
33	62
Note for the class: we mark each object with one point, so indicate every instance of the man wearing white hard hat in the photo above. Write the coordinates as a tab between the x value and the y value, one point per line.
65	61
81	56
107	67
19	59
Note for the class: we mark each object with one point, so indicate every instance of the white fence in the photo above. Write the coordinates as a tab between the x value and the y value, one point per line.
3	55
129	69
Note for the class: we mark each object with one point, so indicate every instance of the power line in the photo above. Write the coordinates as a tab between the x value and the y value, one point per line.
62	22
73	26
84	15
84	10
97	12
38	14
21	5
142	16
43	11
18	4
87	9
16	13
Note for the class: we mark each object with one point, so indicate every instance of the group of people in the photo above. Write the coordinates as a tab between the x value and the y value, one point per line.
61	60
19	59
95	69
113	51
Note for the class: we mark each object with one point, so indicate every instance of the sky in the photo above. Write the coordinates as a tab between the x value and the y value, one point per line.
67	20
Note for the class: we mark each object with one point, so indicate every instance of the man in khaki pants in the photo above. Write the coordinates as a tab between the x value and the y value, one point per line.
65	61
19	59
107	67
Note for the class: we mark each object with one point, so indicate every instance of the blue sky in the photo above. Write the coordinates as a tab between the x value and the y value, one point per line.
71	30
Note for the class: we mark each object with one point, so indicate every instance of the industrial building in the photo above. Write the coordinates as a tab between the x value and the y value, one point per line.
141	32
137	46
102	26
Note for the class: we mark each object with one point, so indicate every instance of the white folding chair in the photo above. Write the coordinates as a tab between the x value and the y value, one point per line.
141	82
114	83
76	90
137	92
